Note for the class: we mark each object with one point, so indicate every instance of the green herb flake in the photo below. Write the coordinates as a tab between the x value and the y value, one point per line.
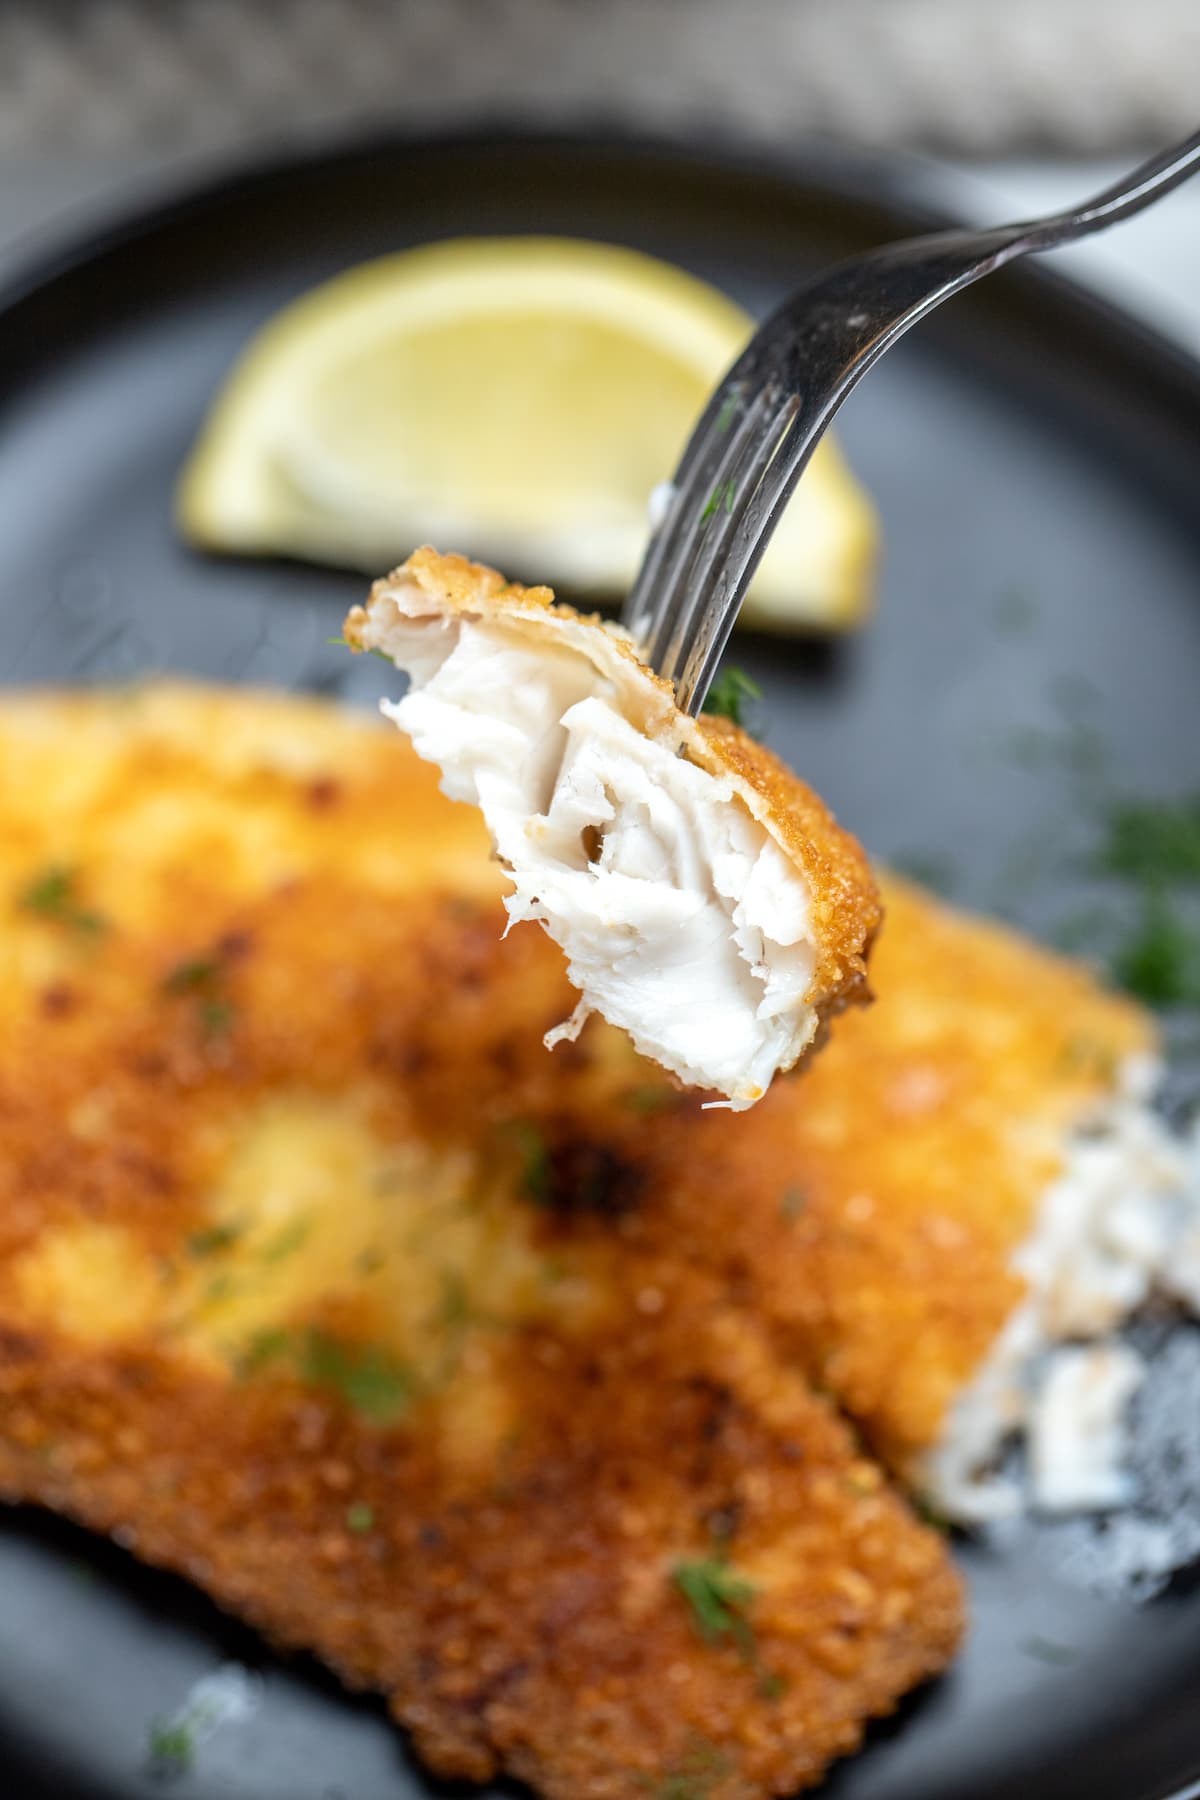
729	693
929	1515
535	1161
192	975
718	1597
216	1017
1153	841
372	650
793	1203
729	408
212	1240
263	1348
1159	961
54	895
369	1261
371	1382
199	977
454	1311
720	500
649	1099
360	1518
696	1773
286	1241
171	1746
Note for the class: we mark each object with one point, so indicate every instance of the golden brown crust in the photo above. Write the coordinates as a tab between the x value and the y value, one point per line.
872	1205
845	905
321	1282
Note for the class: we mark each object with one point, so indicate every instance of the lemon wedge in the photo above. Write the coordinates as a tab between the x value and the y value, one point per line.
517	397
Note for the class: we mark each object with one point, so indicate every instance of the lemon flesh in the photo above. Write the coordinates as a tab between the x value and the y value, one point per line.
516	397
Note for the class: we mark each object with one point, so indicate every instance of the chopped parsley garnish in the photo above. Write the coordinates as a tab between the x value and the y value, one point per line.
266	1346
360	1518
695	1774
535	1161
199	977
718	1597
720	500
171	1746
793	1203
1160	961
370	1381
649	1099
1153	841
928	1513
729	407
455	1312
213	1239
216	1016
286	1241
54	895
345	644
192	975
729	694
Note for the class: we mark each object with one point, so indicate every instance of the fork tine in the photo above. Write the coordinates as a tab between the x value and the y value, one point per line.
655	590
705	507
712	622
703	586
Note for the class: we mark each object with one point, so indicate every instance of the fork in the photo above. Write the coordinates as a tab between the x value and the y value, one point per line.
763	422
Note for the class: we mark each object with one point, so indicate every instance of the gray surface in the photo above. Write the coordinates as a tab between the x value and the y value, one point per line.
976	76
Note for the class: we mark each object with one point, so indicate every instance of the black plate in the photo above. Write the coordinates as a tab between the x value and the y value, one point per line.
1037	462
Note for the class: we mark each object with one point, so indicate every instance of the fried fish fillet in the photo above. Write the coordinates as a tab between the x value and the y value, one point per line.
706	900
323	1284
968	1176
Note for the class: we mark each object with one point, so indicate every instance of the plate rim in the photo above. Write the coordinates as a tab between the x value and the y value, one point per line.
915	187
134	209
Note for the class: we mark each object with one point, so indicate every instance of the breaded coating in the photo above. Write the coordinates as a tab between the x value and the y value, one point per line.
706	899
323	1284
872	1207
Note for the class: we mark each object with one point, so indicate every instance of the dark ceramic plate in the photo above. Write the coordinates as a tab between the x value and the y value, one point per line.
1037	462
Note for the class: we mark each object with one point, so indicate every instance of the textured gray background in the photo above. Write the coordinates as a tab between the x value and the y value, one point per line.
1023	102
976	76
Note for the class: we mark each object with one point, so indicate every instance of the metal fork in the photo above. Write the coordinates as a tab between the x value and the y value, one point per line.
762	424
